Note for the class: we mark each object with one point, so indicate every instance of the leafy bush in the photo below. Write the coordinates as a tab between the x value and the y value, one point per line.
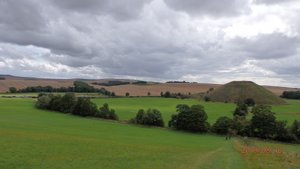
190	118
67	103
249	102
222	125
84	107
106	113
13	90
241	109
43	101
263	122
152	118
295	129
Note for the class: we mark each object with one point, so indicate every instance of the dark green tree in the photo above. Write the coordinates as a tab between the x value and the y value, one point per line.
263	122
84	107
152	118
68	102
106	113
13	90
222	125
192	118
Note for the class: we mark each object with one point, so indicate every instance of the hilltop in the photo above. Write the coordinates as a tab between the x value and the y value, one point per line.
240	90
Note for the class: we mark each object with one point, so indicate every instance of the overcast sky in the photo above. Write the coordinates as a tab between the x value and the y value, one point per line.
210	41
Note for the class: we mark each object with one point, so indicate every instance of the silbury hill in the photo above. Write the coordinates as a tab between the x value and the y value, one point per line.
241	90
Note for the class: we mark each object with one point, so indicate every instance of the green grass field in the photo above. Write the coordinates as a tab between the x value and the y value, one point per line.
32	138
126	108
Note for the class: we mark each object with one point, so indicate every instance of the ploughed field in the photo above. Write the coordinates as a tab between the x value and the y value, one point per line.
33	138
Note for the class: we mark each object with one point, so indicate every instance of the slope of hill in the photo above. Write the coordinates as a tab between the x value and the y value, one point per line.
240	90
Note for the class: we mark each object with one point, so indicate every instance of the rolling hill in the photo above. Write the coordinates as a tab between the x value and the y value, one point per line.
241	90
155	89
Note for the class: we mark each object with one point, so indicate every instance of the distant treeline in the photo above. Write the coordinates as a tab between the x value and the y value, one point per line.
291	94
177	82
117	83
2	78
79	87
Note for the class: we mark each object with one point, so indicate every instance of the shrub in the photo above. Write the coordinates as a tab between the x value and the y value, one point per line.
295	129
127	94
152	118
263	122
249	102
190	118
43	101
241	109
55	102
13	90
106	113
222	125
84	107
67	103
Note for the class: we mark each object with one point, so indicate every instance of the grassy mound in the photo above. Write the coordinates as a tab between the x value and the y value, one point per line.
240	90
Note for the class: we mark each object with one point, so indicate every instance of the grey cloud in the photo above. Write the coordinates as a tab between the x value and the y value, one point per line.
273	1
122	10
267	46
21	15
214	8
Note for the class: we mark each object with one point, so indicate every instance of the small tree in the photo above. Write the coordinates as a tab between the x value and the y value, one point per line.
167	94
295	129
241	109
68	102
190	118
84	107
106	113
263	122
43	101
152	118
13	90
249	102
222	125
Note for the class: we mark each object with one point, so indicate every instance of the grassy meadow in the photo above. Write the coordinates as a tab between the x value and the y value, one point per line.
33	138
127	108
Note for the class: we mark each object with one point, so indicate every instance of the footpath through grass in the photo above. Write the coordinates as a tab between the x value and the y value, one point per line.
32	138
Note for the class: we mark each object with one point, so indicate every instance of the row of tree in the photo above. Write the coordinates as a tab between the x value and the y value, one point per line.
79	87
291	94
77	106
263	123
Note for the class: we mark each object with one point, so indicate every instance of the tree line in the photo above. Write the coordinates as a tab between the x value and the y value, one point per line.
79	87
263	123
291	94
68	103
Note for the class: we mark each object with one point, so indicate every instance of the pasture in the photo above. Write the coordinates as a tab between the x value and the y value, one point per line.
127	108
33	138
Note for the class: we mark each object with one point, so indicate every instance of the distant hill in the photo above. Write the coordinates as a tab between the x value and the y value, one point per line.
240	90
135	88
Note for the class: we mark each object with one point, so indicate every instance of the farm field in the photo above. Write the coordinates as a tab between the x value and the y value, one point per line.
126	108
32	138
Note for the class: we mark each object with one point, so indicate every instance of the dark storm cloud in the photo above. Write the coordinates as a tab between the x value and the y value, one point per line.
268	46
21	15
210	7
147	39
122	10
